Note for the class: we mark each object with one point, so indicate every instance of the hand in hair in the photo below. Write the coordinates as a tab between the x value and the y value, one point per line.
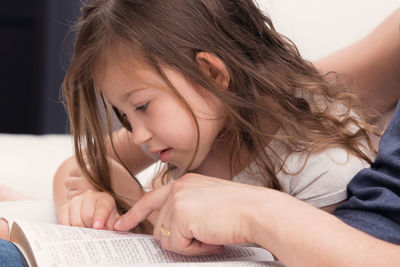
91	209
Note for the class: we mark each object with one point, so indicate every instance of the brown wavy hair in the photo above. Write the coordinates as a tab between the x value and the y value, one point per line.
262	64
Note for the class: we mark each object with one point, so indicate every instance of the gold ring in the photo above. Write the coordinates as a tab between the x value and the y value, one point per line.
164	231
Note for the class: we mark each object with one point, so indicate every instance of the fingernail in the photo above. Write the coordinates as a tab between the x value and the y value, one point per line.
117	225
96	225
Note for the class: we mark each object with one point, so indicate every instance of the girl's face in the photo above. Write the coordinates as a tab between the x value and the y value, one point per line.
159	120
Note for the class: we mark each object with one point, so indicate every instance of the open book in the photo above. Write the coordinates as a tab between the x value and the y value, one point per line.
45	244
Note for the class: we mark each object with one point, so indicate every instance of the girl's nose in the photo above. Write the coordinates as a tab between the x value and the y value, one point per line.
140	134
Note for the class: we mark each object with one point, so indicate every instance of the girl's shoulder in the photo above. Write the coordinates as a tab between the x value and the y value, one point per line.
320	178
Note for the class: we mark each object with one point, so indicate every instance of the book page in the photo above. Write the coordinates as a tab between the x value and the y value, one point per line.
203	264
62	245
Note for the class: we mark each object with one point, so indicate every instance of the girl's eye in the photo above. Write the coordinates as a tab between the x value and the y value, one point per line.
123	119
142	107
125	122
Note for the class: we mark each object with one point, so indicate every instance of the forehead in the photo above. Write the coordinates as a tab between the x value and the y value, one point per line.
118	62
119	70
117	73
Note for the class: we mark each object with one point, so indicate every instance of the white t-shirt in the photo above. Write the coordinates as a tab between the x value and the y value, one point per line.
322	181
324	178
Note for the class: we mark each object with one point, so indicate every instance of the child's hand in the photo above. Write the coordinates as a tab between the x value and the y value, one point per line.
121	182
76	183
92	209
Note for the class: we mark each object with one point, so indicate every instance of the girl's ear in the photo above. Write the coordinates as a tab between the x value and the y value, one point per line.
214	68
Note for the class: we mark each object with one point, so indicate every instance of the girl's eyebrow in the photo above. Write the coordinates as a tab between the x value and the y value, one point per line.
127	95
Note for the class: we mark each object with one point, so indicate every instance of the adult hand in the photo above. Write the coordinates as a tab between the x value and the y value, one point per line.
199	212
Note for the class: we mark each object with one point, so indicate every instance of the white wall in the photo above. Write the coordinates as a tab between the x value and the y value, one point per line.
319	27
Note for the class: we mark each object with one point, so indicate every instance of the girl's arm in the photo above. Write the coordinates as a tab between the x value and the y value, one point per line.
372	64
131	154
69	182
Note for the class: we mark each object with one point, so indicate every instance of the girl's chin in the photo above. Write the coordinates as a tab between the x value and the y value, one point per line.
181	169
183	166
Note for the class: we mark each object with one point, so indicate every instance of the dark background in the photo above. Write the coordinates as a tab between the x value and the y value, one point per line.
34	54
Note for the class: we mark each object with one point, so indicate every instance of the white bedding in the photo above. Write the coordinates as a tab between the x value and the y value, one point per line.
28	162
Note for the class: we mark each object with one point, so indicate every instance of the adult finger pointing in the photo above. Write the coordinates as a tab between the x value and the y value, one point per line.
151	201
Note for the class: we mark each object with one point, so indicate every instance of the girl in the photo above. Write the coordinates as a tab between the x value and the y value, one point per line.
207	87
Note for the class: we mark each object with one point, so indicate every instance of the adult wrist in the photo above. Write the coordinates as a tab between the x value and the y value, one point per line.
259	216
273	213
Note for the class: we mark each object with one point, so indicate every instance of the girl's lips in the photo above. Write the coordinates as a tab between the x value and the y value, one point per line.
164	154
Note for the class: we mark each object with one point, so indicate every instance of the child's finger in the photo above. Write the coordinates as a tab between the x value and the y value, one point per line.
151	201
103	209
72	194
63	215
87	210
75	218
72	183
114	216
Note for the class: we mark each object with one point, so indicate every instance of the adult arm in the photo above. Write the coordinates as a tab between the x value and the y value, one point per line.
372	64
297	233
300	235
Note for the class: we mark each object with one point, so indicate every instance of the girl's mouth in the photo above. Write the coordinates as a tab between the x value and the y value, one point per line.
164	154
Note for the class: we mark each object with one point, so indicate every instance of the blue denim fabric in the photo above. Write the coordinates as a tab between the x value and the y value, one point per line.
373	205
10	255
